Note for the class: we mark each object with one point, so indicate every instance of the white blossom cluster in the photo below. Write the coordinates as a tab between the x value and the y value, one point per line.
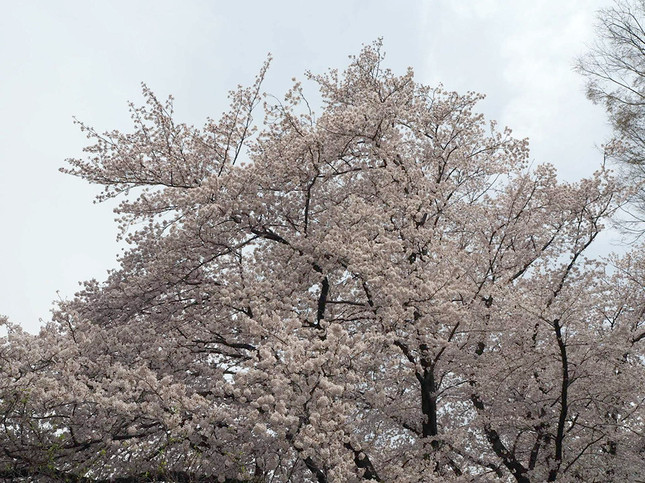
383	291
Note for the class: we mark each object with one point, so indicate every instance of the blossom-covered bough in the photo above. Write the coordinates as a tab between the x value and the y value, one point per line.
385	291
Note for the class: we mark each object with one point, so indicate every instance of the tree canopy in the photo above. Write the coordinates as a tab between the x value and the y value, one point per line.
383	291
615	70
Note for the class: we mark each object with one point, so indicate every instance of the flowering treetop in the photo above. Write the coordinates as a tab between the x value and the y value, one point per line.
384	291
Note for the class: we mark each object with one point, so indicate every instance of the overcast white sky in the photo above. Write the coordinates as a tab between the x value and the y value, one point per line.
87	59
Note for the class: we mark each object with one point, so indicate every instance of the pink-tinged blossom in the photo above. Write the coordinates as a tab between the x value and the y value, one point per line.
384	290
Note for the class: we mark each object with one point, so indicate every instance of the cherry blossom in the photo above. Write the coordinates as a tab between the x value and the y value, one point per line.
385	290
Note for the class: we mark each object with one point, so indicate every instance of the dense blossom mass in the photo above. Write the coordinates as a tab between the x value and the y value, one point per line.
384	291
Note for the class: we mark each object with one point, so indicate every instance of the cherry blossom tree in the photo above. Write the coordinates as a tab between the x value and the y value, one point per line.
384	291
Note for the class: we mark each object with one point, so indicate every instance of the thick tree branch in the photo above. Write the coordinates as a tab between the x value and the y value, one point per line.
509	460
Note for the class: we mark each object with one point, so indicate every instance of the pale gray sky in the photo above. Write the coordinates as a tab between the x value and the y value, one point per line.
87	59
